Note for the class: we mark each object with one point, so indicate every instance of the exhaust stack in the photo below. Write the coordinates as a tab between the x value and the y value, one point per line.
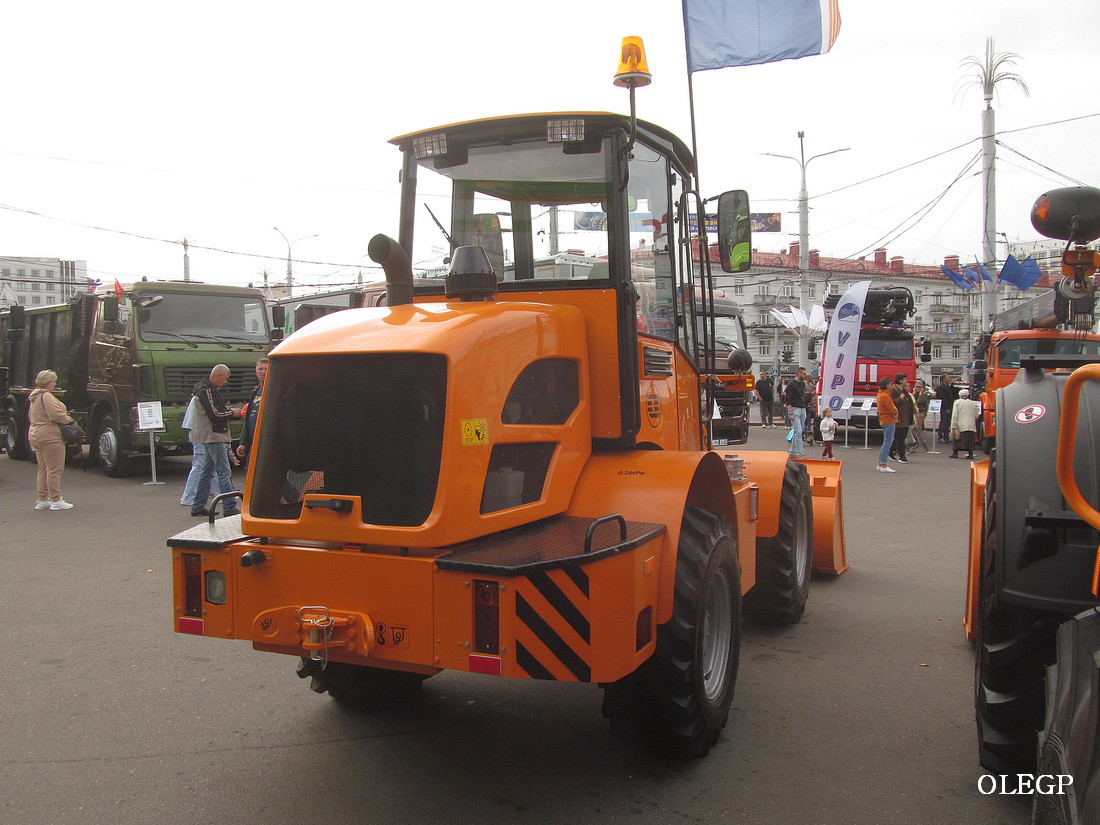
394	261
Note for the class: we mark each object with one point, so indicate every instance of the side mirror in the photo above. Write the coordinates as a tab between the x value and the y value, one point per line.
734	231
18	317
110	308
278	322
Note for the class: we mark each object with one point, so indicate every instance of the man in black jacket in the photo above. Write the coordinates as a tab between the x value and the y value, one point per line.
211	429
946	394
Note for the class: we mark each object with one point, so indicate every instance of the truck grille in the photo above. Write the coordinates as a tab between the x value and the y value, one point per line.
178	381
366	425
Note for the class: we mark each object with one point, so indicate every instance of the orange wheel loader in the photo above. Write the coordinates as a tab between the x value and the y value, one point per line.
502	473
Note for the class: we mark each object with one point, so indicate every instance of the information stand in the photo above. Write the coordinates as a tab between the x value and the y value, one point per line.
868	405
934	409
847	407
151	420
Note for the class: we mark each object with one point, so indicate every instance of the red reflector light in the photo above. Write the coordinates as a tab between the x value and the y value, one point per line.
192	626
484	664
192	584
487	618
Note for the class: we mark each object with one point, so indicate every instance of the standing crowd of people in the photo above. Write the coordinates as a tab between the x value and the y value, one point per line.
902	410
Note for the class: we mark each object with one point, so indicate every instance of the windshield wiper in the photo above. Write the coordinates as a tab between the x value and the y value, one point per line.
175	335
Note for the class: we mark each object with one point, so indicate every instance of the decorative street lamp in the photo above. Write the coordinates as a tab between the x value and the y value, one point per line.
803	240
289	245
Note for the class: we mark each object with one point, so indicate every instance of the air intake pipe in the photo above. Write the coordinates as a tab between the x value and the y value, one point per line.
394	261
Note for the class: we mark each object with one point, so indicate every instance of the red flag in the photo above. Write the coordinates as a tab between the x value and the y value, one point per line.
118	290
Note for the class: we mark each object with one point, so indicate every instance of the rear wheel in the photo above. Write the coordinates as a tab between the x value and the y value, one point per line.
784	562
17	442
678	701
112	448
360	686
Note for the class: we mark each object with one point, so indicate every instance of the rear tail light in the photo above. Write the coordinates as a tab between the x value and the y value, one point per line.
487	617
192	584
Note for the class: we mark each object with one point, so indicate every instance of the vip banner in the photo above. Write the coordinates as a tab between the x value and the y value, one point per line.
841	344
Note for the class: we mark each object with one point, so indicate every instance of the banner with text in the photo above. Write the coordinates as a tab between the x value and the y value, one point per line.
841	344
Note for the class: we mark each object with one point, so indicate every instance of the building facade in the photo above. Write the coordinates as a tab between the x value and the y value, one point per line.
945	315
41	281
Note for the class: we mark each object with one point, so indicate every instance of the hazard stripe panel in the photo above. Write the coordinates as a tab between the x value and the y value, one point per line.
553	630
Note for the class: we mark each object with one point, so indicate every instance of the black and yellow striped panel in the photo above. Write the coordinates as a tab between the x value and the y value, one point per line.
553	634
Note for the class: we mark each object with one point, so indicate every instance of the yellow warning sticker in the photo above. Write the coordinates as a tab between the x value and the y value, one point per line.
475	431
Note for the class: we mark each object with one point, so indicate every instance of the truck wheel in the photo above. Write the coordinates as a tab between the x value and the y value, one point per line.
17	443
112	448
360	686
678	701
784	562
1013	651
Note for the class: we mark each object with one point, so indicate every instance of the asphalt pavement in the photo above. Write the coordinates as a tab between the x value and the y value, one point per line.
861	713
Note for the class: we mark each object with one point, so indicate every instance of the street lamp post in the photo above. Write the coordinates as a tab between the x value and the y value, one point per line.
289	245
804	242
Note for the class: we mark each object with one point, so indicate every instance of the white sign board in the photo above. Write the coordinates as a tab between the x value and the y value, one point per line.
868	404
150	416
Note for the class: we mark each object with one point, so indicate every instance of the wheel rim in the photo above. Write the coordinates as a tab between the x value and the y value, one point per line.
108	447
802	544
717	634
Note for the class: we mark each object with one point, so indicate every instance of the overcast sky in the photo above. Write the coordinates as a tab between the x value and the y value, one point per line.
127	127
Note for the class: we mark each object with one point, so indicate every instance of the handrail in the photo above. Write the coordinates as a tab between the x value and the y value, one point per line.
1067	437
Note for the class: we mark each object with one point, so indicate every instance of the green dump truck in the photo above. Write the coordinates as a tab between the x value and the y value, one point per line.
113	349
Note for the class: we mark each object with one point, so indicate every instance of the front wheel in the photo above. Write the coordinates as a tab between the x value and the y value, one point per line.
678	701
785	561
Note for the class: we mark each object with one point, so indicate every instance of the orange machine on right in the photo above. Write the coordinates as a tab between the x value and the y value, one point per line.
1033	587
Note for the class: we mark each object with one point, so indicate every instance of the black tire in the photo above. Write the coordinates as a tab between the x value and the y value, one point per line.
785	561
112	448
360	686
17	440
1013	651
678	701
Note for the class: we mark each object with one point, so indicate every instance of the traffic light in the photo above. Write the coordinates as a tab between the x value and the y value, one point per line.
788	356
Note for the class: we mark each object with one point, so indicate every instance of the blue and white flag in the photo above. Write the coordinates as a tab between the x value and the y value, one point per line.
838	367
721	33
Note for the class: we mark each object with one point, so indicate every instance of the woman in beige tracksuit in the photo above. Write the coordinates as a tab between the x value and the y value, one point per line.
46	412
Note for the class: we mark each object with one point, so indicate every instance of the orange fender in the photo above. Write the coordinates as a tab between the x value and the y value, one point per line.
979	473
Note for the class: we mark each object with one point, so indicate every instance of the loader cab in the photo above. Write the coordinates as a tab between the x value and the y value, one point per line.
529	188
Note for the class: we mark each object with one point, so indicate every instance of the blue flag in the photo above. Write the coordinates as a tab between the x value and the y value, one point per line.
1021	275
956	277
721	33
984	271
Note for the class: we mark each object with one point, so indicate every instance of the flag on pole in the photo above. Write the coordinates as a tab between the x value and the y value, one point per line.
985	272
957	278
1021	275
838	364
723	33
118	290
